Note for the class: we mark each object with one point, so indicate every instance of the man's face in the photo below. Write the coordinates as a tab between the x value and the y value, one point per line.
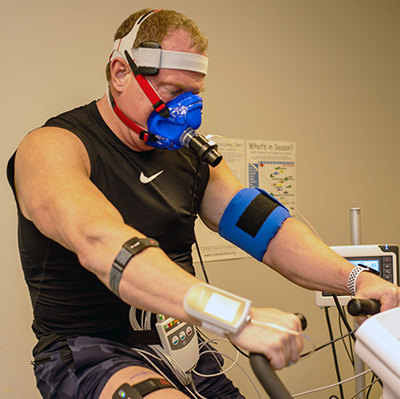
169	83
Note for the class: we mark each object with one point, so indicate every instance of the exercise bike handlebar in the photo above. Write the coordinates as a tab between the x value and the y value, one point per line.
267	377
266	374
358	307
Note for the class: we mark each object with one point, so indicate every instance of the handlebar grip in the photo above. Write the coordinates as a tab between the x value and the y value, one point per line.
266	374
357	306
268	378
303	320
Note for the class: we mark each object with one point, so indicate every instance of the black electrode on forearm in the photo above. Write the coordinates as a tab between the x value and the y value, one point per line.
131	248
251	220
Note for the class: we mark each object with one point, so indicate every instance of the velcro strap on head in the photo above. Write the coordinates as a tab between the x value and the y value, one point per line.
251	220
157	58
126	43
167	59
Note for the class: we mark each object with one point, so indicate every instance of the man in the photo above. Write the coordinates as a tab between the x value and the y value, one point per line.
91	180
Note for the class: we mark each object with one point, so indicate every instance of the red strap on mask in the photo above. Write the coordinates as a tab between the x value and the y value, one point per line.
143	133
148	89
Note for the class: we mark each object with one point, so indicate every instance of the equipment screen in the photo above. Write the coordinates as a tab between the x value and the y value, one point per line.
371	263
380	259
222	307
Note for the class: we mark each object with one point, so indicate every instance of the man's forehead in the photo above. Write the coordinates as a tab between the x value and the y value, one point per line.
180	40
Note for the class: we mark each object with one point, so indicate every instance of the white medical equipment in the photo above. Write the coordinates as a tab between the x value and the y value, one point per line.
179	340
378	345
381	258
218	311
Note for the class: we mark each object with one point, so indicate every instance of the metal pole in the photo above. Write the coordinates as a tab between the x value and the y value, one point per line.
359	366
355	226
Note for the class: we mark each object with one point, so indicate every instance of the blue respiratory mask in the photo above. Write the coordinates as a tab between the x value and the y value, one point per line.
179	128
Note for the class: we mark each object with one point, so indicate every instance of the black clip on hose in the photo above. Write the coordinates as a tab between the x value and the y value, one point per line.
266	374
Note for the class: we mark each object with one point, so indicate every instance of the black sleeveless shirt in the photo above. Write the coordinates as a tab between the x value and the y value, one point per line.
67	299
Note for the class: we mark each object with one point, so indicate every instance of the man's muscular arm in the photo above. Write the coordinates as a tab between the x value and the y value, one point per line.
55	192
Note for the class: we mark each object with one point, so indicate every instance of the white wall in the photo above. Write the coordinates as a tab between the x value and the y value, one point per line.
324	74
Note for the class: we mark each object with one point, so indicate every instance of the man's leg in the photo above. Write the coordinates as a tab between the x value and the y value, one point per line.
133	375
88	367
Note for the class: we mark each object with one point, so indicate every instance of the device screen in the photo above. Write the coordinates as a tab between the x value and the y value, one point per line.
222	307
371	263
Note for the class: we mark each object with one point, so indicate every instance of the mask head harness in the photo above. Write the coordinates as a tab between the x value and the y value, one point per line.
171	125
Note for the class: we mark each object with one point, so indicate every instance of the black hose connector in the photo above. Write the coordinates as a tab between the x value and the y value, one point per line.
205	150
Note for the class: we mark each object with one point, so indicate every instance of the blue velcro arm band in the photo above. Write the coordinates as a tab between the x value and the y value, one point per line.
251	220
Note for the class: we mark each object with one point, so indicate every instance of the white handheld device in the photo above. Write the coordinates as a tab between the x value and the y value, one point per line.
218	311
179	340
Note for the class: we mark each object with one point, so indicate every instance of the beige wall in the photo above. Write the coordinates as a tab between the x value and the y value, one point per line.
324	74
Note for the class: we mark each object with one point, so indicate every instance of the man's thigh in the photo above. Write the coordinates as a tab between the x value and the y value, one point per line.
95	368
80	368
134	375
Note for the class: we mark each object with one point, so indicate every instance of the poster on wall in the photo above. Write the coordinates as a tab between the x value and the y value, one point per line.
269	165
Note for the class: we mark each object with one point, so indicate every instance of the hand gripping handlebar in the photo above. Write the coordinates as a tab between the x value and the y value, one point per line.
358	307
266	374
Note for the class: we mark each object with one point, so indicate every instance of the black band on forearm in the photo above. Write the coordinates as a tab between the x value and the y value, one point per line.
128	251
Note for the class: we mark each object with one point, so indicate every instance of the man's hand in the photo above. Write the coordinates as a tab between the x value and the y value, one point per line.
370	286
278	345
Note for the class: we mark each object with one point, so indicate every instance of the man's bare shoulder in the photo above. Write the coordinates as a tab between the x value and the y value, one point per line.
51	144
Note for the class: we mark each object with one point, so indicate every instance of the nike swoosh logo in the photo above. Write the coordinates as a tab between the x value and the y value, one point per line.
144	179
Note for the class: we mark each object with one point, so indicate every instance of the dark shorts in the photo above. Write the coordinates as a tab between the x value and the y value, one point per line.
79	368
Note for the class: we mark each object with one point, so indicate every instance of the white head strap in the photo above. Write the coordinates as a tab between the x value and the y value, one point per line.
155	57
